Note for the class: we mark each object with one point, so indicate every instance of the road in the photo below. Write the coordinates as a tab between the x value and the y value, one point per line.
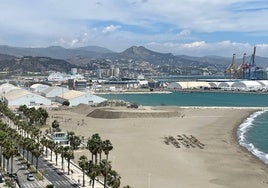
53	174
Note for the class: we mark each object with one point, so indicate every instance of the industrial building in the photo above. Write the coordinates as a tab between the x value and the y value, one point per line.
38	88
53	91
77	97
191	85
18	97
6	87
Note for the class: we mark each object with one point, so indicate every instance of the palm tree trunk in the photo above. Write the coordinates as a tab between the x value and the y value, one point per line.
7	165
96	158
36	165
93	182
62	163
32	159
68	166
27	155
0	156
51	154
83	177
11	165
56	159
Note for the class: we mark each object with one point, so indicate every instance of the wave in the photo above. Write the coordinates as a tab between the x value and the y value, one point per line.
243	129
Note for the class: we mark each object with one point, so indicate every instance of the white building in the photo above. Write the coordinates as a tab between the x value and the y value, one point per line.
38	88
6	87
77	97
53	91
18	97
188	85
247	85
60	138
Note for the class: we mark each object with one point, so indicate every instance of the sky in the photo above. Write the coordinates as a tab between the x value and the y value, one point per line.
181	27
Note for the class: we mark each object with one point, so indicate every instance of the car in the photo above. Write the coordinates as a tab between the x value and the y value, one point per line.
30	177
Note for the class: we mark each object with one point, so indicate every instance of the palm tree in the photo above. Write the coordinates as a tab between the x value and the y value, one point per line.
83	163
3	136
29	143
105	167
7	155
107	147
57	150
62	157
113	179
93	172
13	152
94	145
51	145
68	154
37	151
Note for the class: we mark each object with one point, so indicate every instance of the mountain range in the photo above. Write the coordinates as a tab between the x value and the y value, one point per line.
82	55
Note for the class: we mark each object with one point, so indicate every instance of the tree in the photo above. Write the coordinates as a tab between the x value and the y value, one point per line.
55	125
83	163
94	145
66	103
113	179
107	147
37	151
93	172
75	141
51	145
68	154
105	167
57	150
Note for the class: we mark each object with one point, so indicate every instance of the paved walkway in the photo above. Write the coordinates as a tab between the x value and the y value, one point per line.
76	175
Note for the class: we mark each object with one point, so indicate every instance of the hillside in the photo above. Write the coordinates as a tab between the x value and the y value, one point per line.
33	64
83	55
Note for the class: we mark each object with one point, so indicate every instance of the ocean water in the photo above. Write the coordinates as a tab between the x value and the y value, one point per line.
194	99
252	133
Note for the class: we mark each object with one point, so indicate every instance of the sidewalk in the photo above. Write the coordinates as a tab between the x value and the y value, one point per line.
76	175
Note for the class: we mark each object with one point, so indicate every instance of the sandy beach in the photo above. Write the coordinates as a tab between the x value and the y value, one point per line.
144	160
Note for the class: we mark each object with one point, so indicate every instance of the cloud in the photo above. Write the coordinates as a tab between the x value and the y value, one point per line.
201	48
203	25
110	28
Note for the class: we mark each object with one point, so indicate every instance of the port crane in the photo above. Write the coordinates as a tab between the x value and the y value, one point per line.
245	70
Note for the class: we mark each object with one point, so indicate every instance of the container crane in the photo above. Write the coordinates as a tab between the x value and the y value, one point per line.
231	70
252	66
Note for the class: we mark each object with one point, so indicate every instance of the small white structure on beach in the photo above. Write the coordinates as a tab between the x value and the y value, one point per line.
77	97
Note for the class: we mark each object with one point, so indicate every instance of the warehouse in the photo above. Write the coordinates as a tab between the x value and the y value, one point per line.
6	87
18	97
53	91
247	85
189	85
38	88
77	97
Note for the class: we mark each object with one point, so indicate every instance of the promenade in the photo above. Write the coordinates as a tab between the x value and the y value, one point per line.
76	174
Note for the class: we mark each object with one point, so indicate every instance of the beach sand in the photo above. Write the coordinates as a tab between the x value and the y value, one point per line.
143	160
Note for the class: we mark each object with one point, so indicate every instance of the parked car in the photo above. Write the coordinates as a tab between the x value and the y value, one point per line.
30	177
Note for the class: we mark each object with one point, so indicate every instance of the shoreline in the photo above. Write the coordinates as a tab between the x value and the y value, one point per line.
222	159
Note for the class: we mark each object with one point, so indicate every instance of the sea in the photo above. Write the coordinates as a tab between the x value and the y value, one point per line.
252	133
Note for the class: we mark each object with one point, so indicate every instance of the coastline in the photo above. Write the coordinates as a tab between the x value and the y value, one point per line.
222	163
